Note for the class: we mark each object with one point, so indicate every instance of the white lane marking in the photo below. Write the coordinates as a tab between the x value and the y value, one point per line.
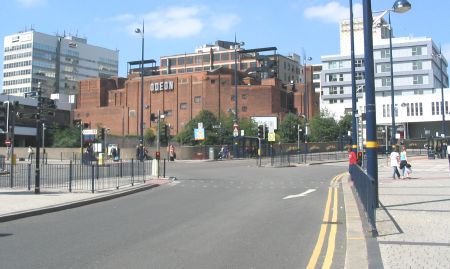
300	194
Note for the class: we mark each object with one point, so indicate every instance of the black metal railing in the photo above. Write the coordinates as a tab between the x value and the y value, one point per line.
78	177
365	188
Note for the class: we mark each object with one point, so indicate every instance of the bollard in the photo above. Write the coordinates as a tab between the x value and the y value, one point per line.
92	177
164	168
70	176
29	176
132	171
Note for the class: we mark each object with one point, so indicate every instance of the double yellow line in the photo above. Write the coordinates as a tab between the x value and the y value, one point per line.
332	199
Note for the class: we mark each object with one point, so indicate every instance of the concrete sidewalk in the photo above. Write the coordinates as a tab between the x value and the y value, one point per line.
413	220
16	204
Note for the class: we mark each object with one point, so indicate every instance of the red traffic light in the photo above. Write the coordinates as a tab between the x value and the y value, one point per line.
158	155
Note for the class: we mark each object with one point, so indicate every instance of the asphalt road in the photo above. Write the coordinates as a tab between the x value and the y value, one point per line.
228	214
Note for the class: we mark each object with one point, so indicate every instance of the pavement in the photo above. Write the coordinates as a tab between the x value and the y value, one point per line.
413	220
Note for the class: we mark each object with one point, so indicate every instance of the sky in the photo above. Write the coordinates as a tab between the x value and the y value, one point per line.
304	27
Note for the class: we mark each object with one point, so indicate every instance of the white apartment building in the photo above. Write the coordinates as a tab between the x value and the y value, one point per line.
417	68
58	62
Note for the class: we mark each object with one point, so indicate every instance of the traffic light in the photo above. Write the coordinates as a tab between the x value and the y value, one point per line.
360	157
3	113
260	131
166	130
102	134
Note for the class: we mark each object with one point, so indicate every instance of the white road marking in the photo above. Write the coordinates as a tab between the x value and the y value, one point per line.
300	194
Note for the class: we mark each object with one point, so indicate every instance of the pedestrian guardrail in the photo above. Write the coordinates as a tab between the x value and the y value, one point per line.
365	188
77	177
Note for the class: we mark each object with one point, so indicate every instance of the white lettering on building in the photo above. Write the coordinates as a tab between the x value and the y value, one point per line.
161	86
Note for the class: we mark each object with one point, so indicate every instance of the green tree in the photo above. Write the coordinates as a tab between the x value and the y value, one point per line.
149	136
186	136
323	128
289	127
65	137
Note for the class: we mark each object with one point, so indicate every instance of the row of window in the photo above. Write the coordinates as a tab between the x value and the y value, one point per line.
17	56
16	81
198	59
17	64
17	90
436	108
17	73
335	101
18	47
44	47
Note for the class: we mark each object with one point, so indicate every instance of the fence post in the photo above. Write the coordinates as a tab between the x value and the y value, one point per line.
70	176
164	168
120	168
132	172
29	176
118	174
92	177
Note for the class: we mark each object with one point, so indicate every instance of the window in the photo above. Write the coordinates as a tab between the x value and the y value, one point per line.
407	109
244	96
359	76
396	110
417	79
333	101
341	90
183	106
385	53
206	58
417	65
333	90
197	99
386	82
163	62
446	107
213	81
417	108
336	77
168	113
384	111
416	51
388	110
180	61
385	67
359	63
334	65
225	56
433	112
189	60
244	109
420	109
361	88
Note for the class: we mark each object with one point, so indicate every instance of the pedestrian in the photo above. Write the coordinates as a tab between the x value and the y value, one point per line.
403	162
172	154
395	158
352	159
30	153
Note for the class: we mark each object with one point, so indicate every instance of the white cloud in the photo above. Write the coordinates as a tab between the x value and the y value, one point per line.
333	12
31	3
225	22
179	22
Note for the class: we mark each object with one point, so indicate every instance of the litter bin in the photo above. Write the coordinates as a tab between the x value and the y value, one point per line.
211	153
431	155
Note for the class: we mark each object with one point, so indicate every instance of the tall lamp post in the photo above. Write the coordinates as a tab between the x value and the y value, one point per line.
400	6
141	125
236	118
440	56
354	110
305	100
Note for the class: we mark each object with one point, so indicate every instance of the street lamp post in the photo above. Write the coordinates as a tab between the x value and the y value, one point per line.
443	131
236	118
141	125
354	110
400	6
305	100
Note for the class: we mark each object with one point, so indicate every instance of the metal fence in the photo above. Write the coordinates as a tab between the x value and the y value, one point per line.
283	159
365	188
75	176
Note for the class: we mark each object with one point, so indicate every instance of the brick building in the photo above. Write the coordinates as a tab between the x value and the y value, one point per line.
114	103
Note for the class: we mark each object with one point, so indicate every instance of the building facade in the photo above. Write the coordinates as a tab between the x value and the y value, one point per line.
115	103
58	62
419	72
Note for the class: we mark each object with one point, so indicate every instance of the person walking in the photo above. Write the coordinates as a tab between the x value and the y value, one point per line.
172	154
30	153
395	158
403	162
352	160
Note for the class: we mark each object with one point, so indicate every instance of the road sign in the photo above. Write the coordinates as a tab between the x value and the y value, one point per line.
90	131
199	134
271	137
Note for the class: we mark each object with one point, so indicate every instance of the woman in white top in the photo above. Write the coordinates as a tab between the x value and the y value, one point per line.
394	162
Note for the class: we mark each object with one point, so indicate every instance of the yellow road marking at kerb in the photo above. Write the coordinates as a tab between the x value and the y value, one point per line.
332	237
326	216
318	248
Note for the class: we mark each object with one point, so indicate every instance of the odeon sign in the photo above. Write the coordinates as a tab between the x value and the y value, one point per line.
161	86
